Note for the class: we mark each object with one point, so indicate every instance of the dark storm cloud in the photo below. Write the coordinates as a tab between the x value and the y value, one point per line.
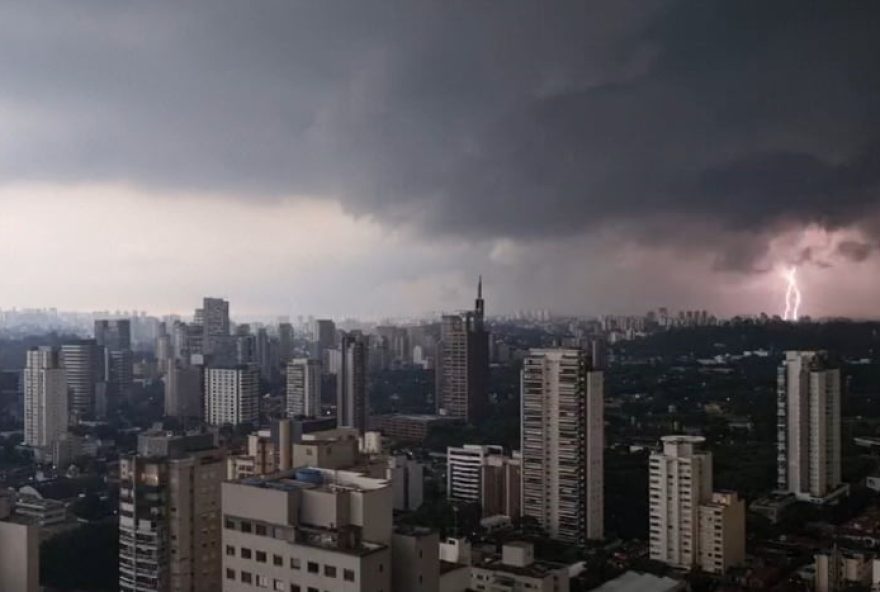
854	250
480	119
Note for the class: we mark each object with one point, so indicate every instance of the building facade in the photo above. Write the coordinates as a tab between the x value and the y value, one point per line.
46	412
232	395
351	383
304	388
83	367
484	475
562	444
808	426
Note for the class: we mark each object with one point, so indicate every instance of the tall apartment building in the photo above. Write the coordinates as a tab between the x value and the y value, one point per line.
305	530
84	369
46	412
808	426
689	524
285	341
484	475
462	363
215	316
303	388
19	550
232	395
169	514
562	435
113	337
183	391
325	338
351	383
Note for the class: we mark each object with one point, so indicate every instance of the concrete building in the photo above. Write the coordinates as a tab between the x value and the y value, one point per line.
19	550
808	427
633	581
46	412
462	364
304	388
183	391
351	383
562	444
83	366
517	569
841	569
232	395
689	524
407	478
169	514
484	475
305	530
114	337
416	564
325	339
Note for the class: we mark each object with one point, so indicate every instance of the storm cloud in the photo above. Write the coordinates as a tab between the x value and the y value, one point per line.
729	122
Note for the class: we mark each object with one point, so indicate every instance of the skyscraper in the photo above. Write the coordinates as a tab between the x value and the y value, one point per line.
183	391
303	388
169	514
83	366
325	339
689	524
285	342
114	336
351	382
45	400
216	339
462	368
808	426
232	395
562	444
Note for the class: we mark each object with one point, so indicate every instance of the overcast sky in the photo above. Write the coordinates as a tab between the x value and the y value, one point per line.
371	158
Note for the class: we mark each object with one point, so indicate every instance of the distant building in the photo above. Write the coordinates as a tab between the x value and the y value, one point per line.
689	524
808	423
169	508
562	447
46	412
232	395
486	476
351	383
462	366
113	338
325	338
83	367
411	427
183	391
633	581
303	388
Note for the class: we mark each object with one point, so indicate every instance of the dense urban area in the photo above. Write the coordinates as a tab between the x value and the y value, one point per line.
671	451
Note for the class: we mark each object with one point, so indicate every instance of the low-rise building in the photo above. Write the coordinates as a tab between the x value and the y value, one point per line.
19	550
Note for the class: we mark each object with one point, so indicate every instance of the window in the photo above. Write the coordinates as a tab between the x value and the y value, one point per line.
230	550
246	526
330	571
295	563
230	524
295	588
278	586
348	575
246	553
313	567
277	560
262	581
261	556
260	529
381	568
312	589
246	577
230	574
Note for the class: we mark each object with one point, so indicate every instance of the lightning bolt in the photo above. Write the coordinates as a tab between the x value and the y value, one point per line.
792	295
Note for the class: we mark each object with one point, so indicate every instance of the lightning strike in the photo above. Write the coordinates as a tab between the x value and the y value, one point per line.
792	295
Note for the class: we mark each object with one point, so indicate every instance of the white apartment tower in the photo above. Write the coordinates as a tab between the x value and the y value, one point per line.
808	426
484	475
232	395
304	388
689	524
45	399
562	440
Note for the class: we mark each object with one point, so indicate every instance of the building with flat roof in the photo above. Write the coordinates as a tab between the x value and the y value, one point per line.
484	475
19	550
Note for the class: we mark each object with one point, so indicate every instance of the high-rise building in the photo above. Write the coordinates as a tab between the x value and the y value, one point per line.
307	529
562	435
169	514
325	338
689	524
232	395
285	342
83	368
484	475
215	316
114	334
808	426
183	391
303	388
46	412
19	550
351	383
462	366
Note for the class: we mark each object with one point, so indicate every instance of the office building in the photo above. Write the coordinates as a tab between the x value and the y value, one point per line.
808	427
114	334
562	442
232	395
83	367
215	316
19	550
45	400
307	529
285	342
325	338
113	338
351	383
183	391
303	388
462	364
484	475
690	525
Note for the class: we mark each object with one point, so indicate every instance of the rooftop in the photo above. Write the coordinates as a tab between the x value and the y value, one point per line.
632	581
